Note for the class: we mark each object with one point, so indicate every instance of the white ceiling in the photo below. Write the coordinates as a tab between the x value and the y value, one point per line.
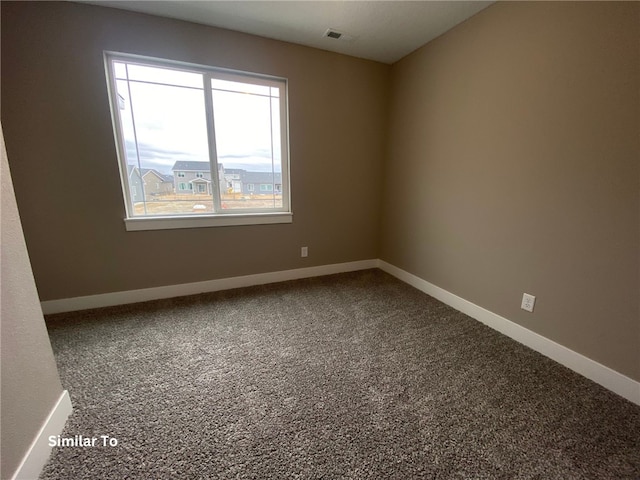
384	31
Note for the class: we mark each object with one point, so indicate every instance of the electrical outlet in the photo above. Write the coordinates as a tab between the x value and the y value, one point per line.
528	301
304	251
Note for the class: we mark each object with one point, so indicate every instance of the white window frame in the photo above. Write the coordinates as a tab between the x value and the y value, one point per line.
220	217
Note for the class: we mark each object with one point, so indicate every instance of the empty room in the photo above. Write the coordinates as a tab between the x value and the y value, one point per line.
338	240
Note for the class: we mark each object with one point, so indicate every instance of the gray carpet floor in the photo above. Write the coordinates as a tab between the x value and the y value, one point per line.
350	376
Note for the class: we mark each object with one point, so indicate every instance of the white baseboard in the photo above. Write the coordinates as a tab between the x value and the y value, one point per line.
39	451
143	295
605	376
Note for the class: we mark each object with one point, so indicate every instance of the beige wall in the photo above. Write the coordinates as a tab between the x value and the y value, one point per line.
514	167
30	384
60	143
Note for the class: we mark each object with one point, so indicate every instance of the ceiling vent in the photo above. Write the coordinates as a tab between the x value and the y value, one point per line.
331	33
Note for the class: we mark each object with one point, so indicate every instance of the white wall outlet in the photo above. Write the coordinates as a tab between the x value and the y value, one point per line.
528	301
304	251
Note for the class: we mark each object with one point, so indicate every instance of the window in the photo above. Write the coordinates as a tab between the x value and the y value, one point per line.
250	187
195	122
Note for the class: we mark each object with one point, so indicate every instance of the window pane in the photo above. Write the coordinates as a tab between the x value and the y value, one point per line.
247	132
120	70
164	75
239	87
165	143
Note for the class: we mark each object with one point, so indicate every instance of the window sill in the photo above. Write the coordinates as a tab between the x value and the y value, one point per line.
227	220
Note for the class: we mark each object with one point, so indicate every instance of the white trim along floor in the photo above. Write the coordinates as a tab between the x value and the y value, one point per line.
39	451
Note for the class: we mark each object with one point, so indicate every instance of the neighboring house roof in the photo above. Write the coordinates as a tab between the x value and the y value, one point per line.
131	169
163	178
262	177
158	175
245	176
234	171
192	166
199	180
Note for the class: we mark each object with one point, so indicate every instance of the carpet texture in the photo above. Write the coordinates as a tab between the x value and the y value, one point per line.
350	376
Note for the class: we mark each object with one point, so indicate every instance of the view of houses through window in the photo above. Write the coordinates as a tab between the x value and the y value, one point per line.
197	141
190	183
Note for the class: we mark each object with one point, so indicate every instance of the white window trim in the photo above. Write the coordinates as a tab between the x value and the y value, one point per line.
235	217
224	220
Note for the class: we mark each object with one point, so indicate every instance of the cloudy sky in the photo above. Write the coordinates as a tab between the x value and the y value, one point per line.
169	121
